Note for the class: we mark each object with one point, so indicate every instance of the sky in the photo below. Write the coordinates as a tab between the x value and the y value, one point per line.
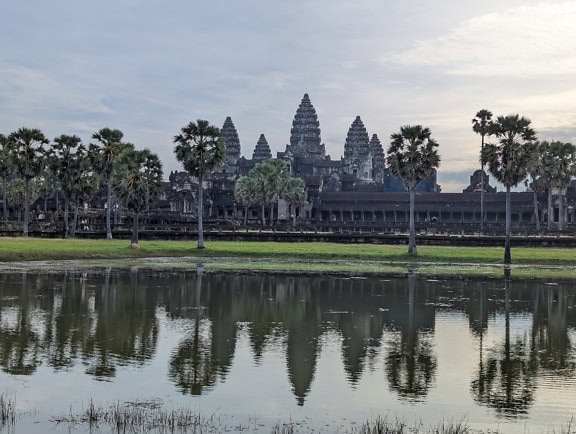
149	67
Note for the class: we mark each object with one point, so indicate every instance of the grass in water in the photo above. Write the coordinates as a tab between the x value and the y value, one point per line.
139	416
7	411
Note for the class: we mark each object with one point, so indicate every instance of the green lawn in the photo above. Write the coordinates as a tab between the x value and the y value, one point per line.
342	259
32	249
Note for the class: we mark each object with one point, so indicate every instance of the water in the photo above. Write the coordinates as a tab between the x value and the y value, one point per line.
326	354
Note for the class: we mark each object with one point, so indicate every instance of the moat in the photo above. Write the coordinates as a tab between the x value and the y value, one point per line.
324	353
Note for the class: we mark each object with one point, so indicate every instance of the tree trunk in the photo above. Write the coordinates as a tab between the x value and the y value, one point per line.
507	255
4	204
536	213
245	215
200	214
560	209
134	239
550	211
26	206
263	215
66	207
272	214
108	208
482	190
293	215
412	232
74	222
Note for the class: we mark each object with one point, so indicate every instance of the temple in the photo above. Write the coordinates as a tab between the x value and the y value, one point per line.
357	188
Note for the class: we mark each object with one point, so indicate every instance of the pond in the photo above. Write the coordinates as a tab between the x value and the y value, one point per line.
324	354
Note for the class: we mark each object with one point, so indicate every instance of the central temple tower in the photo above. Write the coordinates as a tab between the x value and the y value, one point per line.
305	139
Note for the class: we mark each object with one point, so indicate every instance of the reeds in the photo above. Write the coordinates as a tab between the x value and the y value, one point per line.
7	411
382	425
137	417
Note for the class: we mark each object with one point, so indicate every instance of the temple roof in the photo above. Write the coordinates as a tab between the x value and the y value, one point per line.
357	141
305	132
231	140
377	150
262	150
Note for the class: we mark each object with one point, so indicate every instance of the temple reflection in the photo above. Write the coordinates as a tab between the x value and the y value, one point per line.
110	319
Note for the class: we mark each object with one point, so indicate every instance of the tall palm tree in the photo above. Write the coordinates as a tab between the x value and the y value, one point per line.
5	171
200	149
412	157
139	184
558	165
65	159
103	156
509	159
28	156
481	124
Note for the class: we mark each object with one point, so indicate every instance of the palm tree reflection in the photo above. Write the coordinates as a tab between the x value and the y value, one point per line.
506	376
411	363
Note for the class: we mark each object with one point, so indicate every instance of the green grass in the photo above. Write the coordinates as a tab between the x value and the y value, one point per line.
297	257
30	249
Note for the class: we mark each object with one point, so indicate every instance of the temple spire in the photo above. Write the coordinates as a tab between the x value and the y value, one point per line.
305	133
262	150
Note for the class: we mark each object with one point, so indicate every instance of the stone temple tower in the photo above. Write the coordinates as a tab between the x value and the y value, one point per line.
378	160
262	150
357	155
305	139
232	144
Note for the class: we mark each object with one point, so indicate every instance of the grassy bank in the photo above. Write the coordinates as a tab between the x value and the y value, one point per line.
34	249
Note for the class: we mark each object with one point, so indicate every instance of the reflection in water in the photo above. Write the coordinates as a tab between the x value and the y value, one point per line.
410	362
506	378
101	321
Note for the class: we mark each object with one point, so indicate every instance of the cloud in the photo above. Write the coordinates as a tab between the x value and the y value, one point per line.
527	41
24	88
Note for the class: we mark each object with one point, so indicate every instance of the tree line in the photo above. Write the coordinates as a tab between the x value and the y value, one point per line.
31	161
135	177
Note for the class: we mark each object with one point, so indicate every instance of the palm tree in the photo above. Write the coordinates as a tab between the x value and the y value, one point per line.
27	154
481	124
536	181
82	191
245	193
66	160
412	157
103	155
295	194
267	181
509	159
5	171
139	184
200	149
558	167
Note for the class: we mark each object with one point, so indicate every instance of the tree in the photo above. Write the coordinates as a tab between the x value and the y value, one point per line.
295	194
536	181
138	184
558	165
28	156
481	124
266	182
82	191
5	171
15	193
67	160
200	149
245	193
509	159
103	156
412	157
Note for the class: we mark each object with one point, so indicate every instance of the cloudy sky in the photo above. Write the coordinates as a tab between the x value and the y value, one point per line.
148	67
